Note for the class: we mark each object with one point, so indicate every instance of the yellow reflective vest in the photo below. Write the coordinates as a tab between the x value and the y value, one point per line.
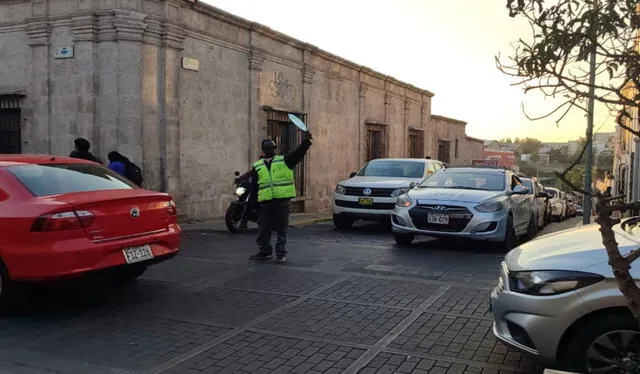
276	183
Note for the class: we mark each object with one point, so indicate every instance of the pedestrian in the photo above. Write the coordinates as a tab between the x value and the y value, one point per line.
118	162
276	187
122	165
81	150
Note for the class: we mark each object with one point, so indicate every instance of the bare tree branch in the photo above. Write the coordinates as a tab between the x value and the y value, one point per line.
632	256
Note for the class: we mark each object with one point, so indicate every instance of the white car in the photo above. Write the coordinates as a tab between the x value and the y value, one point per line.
371	193
558	203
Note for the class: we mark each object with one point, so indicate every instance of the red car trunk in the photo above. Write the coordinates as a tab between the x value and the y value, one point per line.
122	213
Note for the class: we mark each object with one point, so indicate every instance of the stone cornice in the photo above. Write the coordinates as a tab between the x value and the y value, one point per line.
130	26
84	27
173	35
307	74
153	33
39	31
256	59
106	30
362	90
448	120
207	38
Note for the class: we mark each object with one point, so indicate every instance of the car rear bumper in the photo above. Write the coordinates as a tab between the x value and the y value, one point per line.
80	257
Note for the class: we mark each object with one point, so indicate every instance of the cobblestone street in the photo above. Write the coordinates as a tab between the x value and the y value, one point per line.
347	302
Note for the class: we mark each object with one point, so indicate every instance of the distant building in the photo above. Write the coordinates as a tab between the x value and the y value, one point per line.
572	147
543	159
552	146
505	158
604	137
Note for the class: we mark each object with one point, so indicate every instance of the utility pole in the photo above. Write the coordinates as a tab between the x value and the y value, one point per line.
586	215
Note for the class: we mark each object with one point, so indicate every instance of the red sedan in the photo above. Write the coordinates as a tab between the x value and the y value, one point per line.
63	217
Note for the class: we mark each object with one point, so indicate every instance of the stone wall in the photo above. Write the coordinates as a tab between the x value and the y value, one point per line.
473	149
190	127
452	130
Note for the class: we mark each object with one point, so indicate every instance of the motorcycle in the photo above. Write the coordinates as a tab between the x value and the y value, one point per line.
244	208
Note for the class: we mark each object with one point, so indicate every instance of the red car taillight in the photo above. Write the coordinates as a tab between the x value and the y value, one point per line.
63	221
171	208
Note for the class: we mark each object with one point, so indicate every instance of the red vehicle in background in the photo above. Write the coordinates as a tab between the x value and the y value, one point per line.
64	217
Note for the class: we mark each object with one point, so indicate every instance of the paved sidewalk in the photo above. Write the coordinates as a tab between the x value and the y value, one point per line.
295	220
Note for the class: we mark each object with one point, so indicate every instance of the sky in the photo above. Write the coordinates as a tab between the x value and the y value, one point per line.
446	47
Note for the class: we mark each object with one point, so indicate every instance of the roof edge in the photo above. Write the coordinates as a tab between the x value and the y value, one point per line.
279	36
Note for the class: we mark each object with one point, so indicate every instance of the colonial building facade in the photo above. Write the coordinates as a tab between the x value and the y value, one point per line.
187	91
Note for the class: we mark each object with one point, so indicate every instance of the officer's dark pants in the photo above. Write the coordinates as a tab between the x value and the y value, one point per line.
274	216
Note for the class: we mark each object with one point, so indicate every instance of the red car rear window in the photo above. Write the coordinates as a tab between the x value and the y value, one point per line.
55	179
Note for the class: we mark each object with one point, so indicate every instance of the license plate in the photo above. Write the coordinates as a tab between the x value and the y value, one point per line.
439	219
137	254
365	201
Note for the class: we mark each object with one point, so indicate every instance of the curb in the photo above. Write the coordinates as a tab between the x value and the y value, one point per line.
187	227
311	221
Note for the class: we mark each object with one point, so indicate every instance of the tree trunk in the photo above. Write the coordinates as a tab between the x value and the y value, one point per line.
619	264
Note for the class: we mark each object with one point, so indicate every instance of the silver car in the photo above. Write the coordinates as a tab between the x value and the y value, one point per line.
371	193
538	200
558	203
477	203
557	299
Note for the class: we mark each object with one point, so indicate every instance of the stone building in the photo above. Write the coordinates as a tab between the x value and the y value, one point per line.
451	144
187	91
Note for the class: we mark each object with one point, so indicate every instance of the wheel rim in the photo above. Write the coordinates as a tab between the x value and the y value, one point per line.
614	352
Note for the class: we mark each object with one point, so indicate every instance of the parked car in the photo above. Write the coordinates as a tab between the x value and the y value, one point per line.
547	205
571	206
538	200
558	203
371	193
557	299
64	217
477	203
579	210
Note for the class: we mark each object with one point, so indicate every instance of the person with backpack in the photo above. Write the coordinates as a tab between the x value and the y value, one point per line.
125	167
81	150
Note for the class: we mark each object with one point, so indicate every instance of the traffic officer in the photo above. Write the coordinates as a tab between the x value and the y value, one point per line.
276	187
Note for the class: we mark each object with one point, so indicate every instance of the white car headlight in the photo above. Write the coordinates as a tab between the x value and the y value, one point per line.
493	205
404	201
340	189
399	191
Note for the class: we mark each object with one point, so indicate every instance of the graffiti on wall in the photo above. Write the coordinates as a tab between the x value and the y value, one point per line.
281	88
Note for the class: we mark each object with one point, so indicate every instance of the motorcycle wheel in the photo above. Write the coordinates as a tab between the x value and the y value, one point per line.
233	219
